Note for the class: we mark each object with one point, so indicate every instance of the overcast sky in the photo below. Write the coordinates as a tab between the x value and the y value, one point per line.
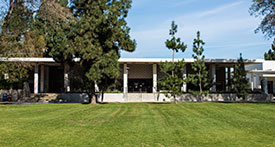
225	25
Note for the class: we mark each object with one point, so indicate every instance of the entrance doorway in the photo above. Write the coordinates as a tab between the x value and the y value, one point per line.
56	79
270	87
140	85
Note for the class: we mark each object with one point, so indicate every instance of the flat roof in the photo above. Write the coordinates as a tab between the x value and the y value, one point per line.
261	71
138	60
187	60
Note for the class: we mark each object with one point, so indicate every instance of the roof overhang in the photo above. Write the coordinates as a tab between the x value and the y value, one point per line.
47	60
139	60
261	71
188	60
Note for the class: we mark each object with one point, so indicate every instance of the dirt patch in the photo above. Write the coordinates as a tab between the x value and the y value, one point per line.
1	106
98	121
83	121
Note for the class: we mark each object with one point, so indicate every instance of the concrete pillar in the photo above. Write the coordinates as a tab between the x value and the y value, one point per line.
42	78
184	85
229	78
47	79
125	79
66	78
155	78
252	81
36	77
214	77
265	88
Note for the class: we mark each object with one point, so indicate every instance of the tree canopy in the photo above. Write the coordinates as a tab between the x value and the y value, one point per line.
264	9
98	35
270	55
174	43
93	31
17	39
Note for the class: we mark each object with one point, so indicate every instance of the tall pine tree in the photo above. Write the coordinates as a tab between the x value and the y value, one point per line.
17	40
98	35
53	21
241	83
172	80
200	78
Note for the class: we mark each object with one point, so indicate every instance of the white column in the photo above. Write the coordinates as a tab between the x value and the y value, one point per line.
42	77
36	68
155	78
184	85
66	78
265	87
125	79
252	81
47	76
214	77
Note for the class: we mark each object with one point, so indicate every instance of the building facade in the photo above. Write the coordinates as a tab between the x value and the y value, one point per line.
139	76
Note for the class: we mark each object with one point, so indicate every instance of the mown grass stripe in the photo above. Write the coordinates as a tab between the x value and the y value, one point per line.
138	124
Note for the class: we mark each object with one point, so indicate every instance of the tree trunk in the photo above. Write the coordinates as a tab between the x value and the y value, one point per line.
102	96
173	61
93	95
200	84
173	58
9	11
200	91
93	99
175	100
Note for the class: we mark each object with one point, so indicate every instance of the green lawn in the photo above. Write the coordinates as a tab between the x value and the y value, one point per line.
138	124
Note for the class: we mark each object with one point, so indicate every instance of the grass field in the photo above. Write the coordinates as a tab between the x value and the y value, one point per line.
138	124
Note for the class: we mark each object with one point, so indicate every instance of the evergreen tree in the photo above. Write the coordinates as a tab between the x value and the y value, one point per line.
12	75
201	77
98	35
23	36
270	55
16	25
241	83
53	20
17	40
174	43
172	80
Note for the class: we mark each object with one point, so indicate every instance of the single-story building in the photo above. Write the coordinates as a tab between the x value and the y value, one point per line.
139	77
264	71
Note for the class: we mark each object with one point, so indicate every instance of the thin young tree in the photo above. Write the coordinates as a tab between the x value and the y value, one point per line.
240	81
172	80
200	78
175	44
